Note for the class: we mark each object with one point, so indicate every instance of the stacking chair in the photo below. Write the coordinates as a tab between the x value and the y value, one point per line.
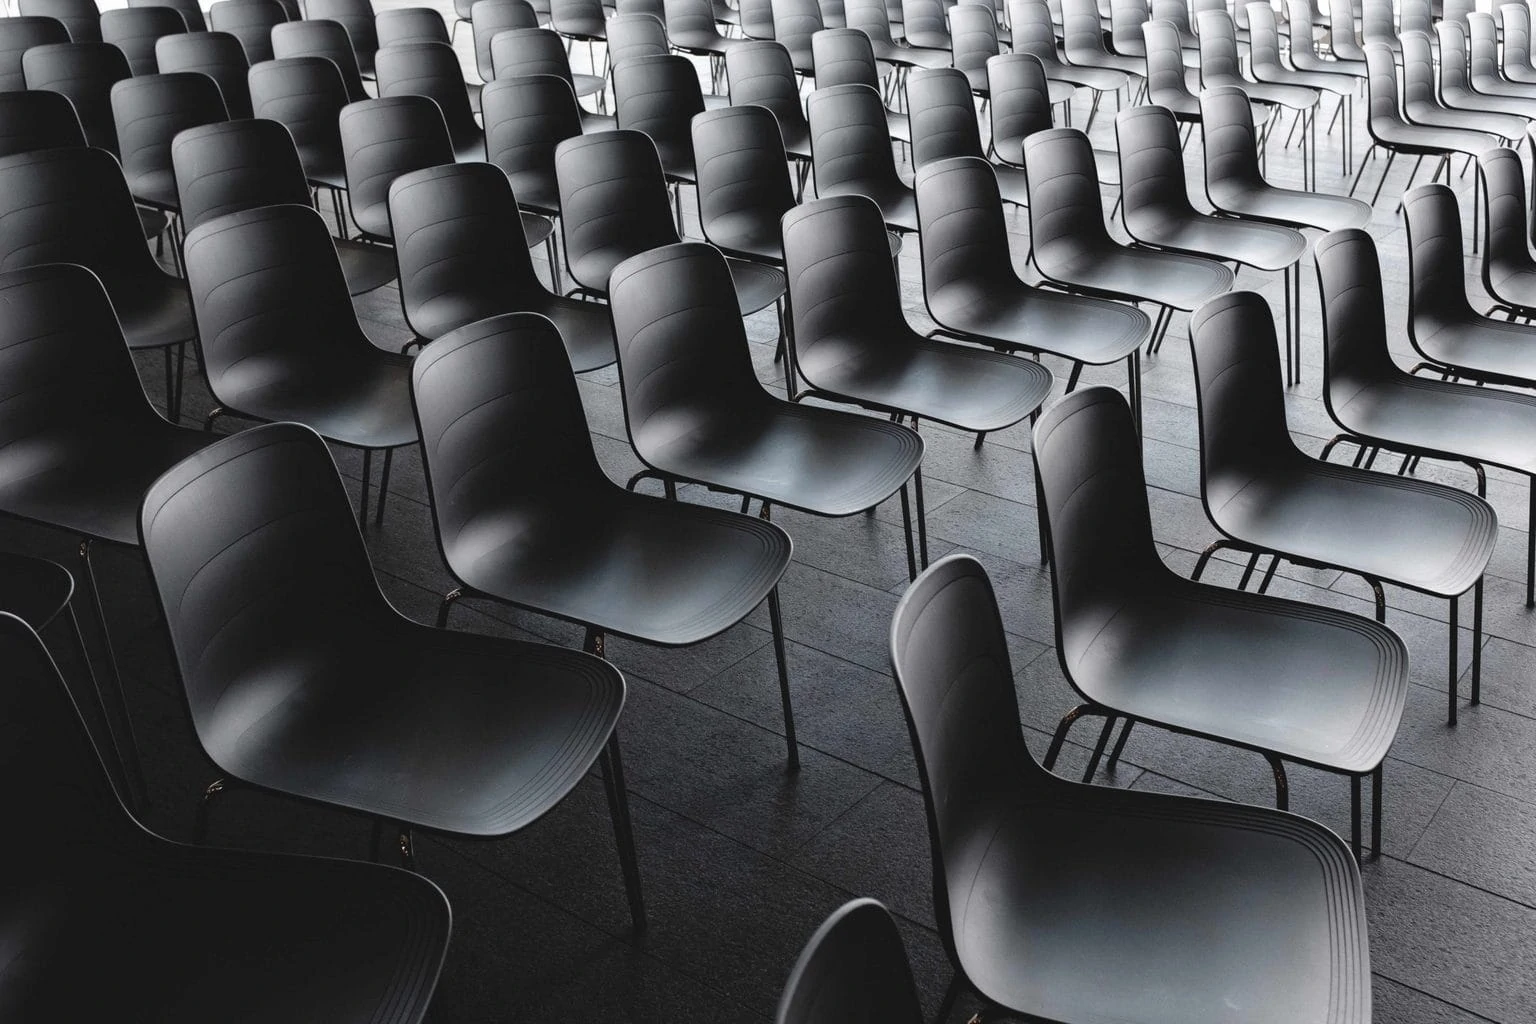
242	165
251	22
845	56
1083	43
925	25
268	291
1073	248
149	111
497	16
326	39
1303	51
676	321
1377	405
1167	85
432	70
854	968
1415	16
761	72
17	36
218	55
1482	37
1378	25
659	97
1456	88
635	35
85	74
1034	34
305	95
1021	105
1344	41
1267	68
356	16
973	28
539	51
1421	101
943	117
32	119
382	139
1177	13
270	601
1159	215
191	11
743	188
402	25
134	30
794	23
458	229
873	19
692	29
190	929
756	18
1264	495
1509	272
1516	54
525	119
851	152
1122	882
579	21
1125	20
973	293
80	18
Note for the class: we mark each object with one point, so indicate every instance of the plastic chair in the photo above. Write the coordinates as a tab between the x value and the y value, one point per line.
845	56
1482	38
1509	272
1266	496
1378	24
578	20
756	18
1083	42
84	73
494	17
432	70
1344	41
743	189
761	72
873	19
191	11
525	119
925	25
403	25
326	39
33	119
1034	34
853	969
690	25
357	17
794	23
1125	20
134	30
17	36
1167	86
851	152
1516	54
973	31
1267	68
458	228
305	95
943	117
465	735
149	111
1422	106
1120	881
659	96
80	18
268	291
1303	44
1456	89
218	55
382	139
251	22
538	51
1378	406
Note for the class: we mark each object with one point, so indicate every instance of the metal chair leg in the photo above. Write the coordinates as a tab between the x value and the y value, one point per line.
362	512
1282	785
1098	748
129	744
1376	779
1125	734
1451	648
906	526
200	825
1067	721
776	618
623	829
947	1004
126	752
446	605
389	456
1477	642
1354	816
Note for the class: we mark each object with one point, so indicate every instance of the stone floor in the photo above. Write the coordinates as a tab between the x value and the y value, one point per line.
741	859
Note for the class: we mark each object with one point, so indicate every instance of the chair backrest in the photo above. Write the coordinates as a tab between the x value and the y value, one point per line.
1343	38
756	18
1455	75
742	169
658	96
218	55
1082	31
529	51
238	592
1483	47
32	119
1415	16
459	242
635	35
833	13
1436	266
1264	44
1125	20
842	283
149	110
1029	22
490	17
973	36
943	115
525	118
761	72
1377	22
1381	89
1299	30
926	20
1165	65
402	25
382	139
1021	102
850	140
1418	73
17	36
85	74
305	95
871	18
844	56
1153	186
235	165
191	12
1219	60
356	16
690	17
613	202
794	23
431	70
1355	353
1505	210
1066	213
134	31
251	22
80	18
1176	13
326	39
1231	149
1517	36
854	970
961	227
580	19
1456	11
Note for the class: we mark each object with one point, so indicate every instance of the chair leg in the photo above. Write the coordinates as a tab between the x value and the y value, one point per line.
1376	779
200	825
906	524
1125	734
1451	648
446	605
1098	748
922	513
952	993
129	743
776	618
407	848
1205	558
1354	817
1477	642
126	752
1065	726
362	512
1530	550
1253	561
612	767
389	455
981	436
1282	785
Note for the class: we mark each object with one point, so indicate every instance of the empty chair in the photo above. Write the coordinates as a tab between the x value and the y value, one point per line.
1034	34
578	20
134	30
85	74
432	70
491	17
1516	54
1378	405
326	39
1456	88
1177	13
1303	43
691	27
659	96
794	23
242	165
744	190
191	11
973	29
635	35
1265	495
149	110
844	56
1167	86
1509	272
851	152
268	291
305	95
462	259
854	968
1073	248
81	18
925	25
756	18
382	139
1482	38
251	22
526	117
33	119
401	25
1020	106
1120	882
973	293
873	19
272	599
1266	66
1083	41
1344	41
761	72
1421	102
17	36
356	16
943	117
539	51
1125	20
218	55
1414	16
1220	66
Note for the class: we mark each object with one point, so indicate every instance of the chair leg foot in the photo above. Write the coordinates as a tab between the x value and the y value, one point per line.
1098	748
1067	721
200	826
446	605
623	829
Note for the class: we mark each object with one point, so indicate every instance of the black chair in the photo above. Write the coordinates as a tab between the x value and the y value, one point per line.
659	96
873	19
218	55
1378	405
1034	33
851	152
458	229
1516	54
494	17
943	118
270	600
1421	101
636	35
1083	43
191	11
81	18
134	30
1056	901
149	111
432	70
973	293
794	23
403	25
17	36
251	22
1267	67
581	549
243	165
526	117
191	932
925	25
973	30
85	74
1483	60
1073	248
1021	105
845	56
743	187
32	119
356	16
326	39
683	353
539	51
1159	215
1456	88
578	20
1167	84
853	969
691	27
382	139
1509	272
306	96
760	72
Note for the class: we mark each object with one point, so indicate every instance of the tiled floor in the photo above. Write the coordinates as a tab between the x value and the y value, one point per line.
741	860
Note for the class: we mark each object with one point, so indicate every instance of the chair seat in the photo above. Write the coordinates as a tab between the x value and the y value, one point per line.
703	42
1462	99
1288	206
1084	330
1506	126
373	219
898	126
1491	426
1421	535
668	573
591	122
822	461
366	266
1315	65
1267	247
580	28
977	79
968	388
677	162
584	327
1317	81
1525	75
34	589
587	85
154	311
466	734
1116	272
152	222
910	56
1487	85
469	147
364	400
1097	905
1311	684
1515	285
1012	183
1127	66
747	235
1095	77
323	165
923	40
155	188
536	228
897	204
1292	97
1412	138
1488	349
757	286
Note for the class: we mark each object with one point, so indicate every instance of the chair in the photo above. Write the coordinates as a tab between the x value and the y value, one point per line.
538	51
925	25
690	26
659	96
33	119
1482	38
218	55
305	95
1125	20
1083	42
268	291
1517	44
494	17
1457	12
432	70
326	39
1456	89
1167	86
683	353
134	30
1509	272
943	116
586	551
845	56
458	228
1177	13
1415	16
851	152
190	928
465	735
17	36
1421	102
525	119
251	22
149	111
242	165
635	35
1120	881
403	25
1377	405
1267	68
743	189
84	73
794	23
1344	41
80	18
761	72
973	31
382	139
1034	34
756	18
1378	24
873	19
191	11
357	17
578	20
1303	44
854	968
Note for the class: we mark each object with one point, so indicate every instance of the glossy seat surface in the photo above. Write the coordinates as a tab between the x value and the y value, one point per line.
1509	272
851	150
1386	122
